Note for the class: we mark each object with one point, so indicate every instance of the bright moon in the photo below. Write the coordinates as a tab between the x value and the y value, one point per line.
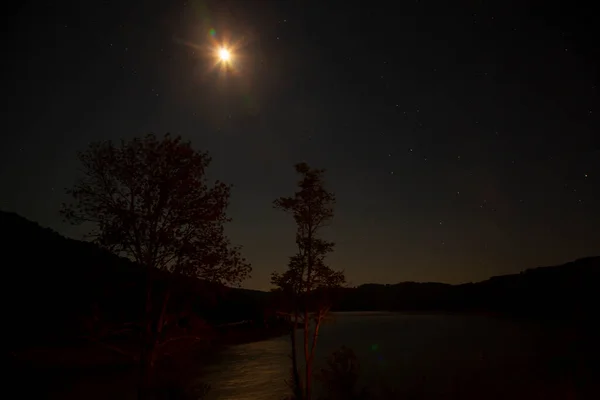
224	55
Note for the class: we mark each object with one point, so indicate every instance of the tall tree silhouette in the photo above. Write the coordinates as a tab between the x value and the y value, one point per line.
308	281
149	199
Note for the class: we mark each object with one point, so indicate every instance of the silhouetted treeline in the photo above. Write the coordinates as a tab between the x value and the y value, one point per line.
567	290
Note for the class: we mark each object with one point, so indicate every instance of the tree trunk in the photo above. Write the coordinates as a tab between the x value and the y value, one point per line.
163	313
295	374
153	335
307	360
315	338
145	367
307	378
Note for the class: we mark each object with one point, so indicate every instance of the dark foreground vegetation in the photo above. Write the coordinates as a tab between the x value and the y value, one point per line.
64	291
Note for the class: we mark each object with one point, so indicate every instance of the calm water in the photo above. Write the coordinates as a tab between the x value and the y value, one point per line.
420	356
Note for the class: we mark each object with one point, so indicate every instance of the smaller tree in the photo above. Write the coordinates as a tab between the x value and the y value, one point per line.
308	282
340	378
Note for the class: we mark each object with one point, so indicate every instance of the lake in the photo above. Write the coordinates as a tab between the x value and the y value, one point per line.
421	356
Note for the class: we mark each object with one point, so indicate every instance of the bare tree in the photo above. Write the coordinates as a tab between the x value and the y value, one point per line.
308	281
148	199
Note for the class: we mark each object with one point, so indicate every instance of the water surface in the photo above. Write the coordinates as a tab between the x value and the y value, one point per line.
420	356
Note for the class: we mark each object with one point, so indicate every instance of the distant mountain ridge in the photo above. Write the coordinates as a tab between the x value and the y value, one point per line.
579	264
569	288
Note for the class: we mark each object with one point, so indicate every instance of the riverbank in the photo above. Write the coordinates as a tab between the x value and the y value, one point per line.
93	370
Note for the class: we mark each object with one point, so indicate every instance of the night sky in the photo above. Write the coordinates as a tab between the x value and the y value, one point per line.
462	141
